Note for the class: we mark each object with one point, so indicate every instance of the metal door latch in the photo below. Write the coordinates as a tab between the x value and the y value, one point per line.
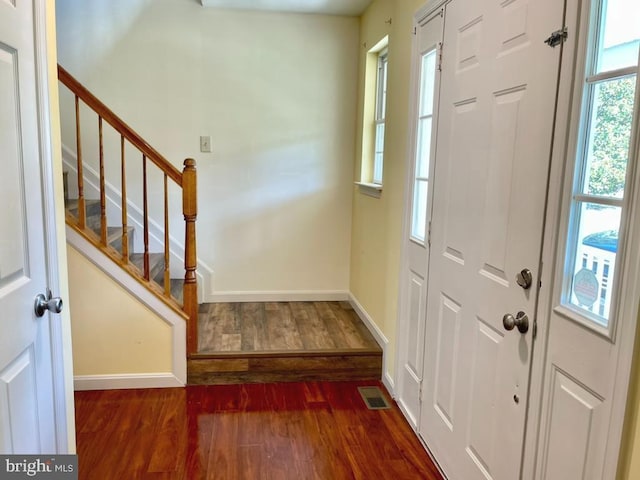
43	303
557	37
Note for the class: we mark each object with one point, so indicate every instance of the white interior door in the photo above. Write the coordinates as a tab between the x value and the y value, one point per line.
26	396
417	214
497	101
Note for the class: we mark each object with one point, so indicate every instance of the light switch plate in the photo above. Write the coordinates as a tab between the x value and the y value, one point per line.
205	144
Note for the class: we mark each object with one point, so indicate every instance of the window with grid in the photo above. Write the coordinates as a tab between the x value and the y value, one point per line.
602	160
380	112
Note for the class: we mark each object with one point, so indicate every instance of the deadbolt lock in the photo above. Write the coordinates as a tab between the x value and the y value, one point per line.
524	278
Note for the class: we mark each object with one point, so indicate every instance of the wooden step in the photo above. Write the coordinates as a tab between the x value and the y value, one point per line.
156	265
114	238
267	367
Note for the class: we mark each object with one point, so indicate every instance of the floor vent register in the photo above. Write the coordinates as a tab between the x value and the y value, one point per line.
373	398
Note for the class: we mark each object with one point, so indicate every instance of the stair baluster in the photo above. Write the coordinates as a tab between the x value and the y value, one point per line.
167	276
103	201
82	216
145	203
123	205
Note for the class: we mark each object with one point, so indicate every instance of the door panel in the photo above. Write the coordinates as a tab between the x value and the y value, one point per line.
575	411
447	359
18	400
26	397
497	103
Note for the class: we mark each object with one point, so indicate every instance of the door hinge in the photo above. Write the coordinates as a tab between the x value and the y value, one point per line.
429	234
440	56
535	328
557	37
415	30
420	392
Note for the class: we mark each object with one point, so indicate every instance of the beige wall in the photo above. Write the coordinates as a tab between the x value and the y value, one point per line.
377	223
277	94
113	333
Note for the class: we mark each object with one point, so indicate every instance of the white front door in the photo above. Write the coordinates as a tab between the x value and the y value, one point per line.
497	102
26	390
417	214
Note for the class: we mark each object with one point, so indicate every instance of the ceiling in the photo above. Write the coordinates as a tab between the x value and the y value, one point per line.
327	7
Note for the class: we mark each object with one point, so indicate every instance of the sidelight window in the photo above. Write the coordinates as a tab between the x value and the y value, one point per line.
602	160
423	147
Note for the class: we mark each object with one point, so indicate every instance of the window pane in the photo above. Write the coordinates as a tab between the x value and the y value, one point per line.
620	35
424	147
427	82
379	154
596	246
377	169
381	87
419	220
379	137
609	137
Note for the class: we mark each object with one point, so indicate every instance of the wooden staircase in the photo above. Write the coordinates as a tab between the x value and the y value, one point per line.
88	216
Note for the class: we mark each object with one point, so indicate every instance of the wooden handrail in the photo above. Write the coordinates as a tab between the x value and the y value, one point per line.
119	125
186	180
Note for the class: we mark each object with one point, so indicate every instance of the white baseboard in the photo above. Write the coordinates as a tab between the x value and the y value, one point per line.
388	382
281	296
126	381
380	337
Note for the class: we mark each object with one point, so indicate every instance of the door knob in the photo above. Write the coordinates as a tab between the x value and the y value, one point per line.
51	303
521	321
524	278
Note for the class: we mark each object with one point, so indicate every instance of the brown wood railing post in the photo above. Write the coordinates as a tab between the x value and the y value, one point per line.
145	220
81	206
123	187
167	274
103	198
190	289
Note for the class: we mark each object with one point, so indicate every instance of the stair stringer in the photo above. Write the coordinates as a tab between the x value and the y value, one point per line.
204	273
178	376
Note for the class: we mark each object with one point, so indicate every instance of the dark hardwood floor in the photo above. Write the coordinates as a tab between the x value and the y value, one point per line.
301	431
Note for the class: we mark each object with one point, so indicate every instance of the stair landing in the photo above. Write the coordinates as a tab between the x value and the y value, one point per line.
282	341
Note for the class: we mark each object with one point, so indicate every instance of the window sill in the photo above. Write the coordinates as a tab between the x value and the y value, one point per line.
371	189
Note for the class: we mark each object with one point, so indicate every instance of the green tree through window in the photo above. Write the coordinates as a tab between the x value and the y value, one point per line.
611	137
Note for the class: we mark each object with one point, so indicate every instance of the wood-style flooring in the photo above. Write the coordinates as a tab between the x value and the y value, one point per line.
281	326
313	430
282	341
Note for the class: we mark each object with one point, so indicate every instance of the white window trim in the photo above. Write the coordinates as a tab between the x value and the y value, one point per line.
576	169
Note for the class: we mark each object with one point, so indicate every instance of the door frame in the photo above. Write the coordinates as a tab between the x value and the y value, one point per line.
53	209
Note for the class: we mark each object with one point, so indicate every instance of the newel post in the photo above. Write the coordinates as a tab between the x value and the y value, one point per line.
190	291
